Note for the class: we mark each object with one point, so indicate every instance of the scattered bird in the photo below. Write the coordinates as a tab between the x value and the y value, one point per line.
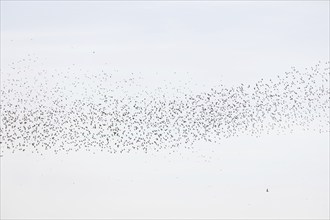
68	111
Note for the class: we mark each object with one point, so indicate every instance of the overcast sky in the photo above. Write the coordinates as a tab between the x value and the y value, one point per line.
239	39
211	42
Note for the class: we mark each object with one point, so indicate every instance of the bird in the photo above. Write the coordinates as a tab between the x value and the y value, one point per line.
66	114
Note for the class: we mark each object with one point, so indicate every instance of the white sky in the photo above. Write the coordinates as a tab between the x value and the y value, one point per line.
228	42
243	40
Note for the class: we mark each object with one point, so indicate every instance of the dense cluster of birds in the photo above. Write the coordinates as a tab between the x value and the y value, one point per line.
69	112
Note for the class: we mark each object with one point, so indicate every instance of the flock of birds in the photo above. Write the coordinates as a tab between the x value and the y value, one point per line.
44	110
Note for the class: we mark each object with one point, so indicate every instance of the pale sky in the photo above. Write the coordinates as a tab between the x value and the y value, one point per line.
211	43
241	39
